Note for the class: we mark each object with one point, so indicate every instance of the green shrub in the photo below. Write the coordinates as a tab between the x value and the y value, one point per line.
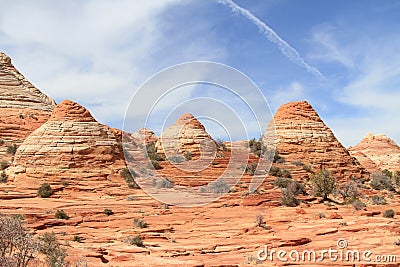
139	223
323	184
387	173
153	164
162	183
358	204
45	190
60	214
77	238
256	147
251	168
296	188
51	248
219	186
288	199
1	142
286	173
298	163
3	177
282	182
4	165
388	214
378	200
152	154
12	149
278	158
220	145
108	212
176	159
275	171
380	181
349	191
136	240
307	168
188	155
129	178
396	178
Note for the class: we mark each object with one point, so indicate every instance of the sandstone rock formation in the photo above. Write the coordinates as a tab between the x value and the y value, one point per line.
186	134
378	149
72	144
146	135
301	136
23	108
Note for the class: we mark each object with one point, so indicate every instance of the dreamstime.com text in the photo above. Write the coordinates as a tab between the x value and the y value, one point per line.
339	254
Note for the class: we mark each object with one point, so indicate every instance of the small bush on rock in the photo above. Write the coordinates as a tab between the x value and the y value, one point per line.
60	214
378	200
380	181
388	214
45	191
323	184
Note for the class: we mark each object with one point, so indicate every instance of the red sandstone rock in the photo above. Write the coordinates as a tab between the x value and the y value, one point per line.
302	136
379	149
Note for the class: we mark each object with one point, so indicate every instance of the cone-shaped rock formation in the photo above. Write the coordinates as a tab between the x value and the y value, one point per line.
72	144
379	149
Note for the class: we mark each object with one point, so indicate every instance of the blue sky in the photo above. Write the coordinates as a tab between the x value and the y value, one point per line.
98	53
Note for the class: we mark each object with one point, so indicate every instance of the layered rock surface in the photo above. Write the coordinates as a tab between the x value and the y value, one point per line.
72	144
301	136
379	149
186	134
146	135
23	108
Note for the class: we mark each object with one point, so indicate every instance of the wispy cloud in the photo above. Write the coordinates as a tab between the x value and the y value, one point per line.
273	37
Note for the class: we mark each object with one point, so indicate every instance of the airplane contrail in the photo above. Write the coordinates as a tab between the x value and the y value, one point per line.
273	37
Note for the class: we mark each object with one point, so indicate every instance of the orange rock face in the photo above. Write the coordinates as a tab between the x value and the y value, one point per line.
23	108
301	136
72	144
186	134
379	149
146	134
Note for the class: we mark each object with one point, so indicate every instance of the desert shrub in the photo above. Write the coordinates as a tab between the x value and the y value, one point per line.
45	190
261	223
152	154
307	168
380	181
296	188
275	171
176	159
358	204
188	155
396	178
4	165
288	199
323	183
17	246
388	214
1	142
139	223
251	168
77	238
51	248
221	145
282	182
153	164
397	242
349	191
387	173
136	240
162	183
278	158
297	163
256	147
108	212
286	173
129	178
60	214
3	177
219	186
378	200
12	149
